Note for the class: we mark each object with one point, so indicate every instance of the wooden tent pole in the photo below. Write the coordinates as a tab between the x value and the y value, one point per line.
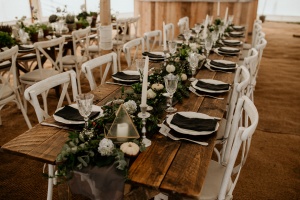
105	17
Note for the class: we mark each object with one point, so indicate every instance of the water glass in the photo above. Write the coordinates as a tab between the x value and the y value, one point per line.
171	86
85	103
208	45
197	29
140	64
172	47
193	59
187	34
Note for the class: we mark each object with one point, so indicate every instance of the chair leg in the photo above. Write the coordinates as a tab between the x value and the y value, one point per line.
50	181
19	101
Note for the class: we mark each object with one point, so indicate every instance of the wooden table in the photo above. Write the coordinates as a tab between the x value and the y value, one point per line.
171	166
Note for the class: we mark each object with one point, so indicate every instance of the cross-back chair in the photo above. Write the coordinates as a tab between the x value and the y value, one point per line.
168	32
133	23
183	24
136	44
154	38
94	49
32	93
9	92
97	63
80	39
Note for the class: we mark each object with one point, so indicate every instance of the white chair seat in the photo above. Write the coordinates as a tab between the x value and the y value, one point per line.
5	64
213	181
38	75
6	91
72	60
93	48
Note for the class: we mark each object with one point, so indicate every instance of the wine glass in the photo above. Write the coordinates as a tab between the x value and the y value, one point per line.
214	36
89	20
85	103
172	47
208	45
197	29
193	59
171	86
187	34
140	64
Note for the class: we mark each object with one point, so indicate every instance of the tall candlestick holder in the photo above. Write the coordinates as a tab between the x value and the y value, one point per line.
144	115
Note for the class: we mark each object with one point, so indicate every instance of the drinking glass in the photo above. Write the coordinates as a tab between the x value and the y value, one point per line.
197	29
85	103
230	19
187	34
172	47
140	64
193	59
214	36
89	20
171	86
208	45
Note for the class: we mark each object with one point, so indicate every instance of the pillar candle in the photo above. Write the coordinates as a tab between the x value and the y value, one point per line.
145	83
218	9
122	131
226	16
164	37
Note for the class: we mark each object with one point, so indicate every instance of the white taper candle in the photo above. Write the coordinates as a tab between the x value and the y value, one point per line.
145	83
164	37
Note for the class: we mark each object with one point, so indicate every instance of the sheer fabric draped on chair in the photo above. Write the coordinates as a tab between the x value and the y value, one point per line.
168	32
183	24
41	88
10	92
97	63
80	39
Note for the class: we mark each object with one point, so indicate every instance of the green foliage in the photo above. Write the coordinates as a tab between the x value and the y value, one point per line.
53	18
6	28
70	19
6	40
31	29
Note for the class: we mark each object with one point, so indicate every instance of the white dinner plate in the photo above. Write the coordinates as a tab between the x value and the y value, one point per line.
232	42
222	61
157	53
238	27
191	115
236	33
211	81
27	46
222	53
65	121
128	72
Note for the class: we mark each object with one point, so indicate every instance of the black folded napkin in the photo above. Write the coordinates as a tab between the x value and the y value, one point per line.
196	124
224	69
223	65
152	55
123	76
70	113
225	50
238	28
209	86
231	42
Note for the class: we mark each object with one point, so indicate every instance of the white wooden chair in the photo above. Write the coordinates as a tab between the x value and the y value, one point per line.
183	24
133	23
255	30
9	89
120	38
154	38
42	49
251	63
239	88
221	179
41	88
80	38
94	49
138	45
168	32
97	63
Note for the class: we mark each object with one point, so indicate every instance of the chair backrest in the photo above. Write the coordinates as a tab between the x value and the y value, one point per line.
155	37
244	123
42	48
42	87
81	39
183	24
108	59
6	75
168	32
122	29
133	23
260	46
256	29
240	87
138	44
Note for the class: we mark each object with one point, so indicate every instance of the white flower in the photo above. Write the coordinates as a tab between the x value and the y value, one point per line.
177	59
194	46
167	55
183	77
151	94
106	147
157	86
130	106
58	9
170	68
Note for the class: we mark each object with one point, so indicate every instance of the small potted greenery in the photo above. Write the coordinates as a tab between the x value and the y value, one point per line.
33	31
81	23
6	28
53	18
70	21
94	18
45	29
6	40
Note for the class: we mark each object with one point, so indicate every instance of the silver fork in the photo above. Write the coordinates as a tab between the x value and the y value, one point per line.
175	138
193	90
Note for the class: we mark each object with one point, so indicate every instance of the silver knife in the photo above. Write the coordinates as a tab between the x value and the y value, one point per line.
54	125
113	83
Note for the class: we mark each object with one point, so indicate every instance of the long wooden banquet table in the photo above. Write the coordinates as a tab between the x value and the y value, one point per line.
175	167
